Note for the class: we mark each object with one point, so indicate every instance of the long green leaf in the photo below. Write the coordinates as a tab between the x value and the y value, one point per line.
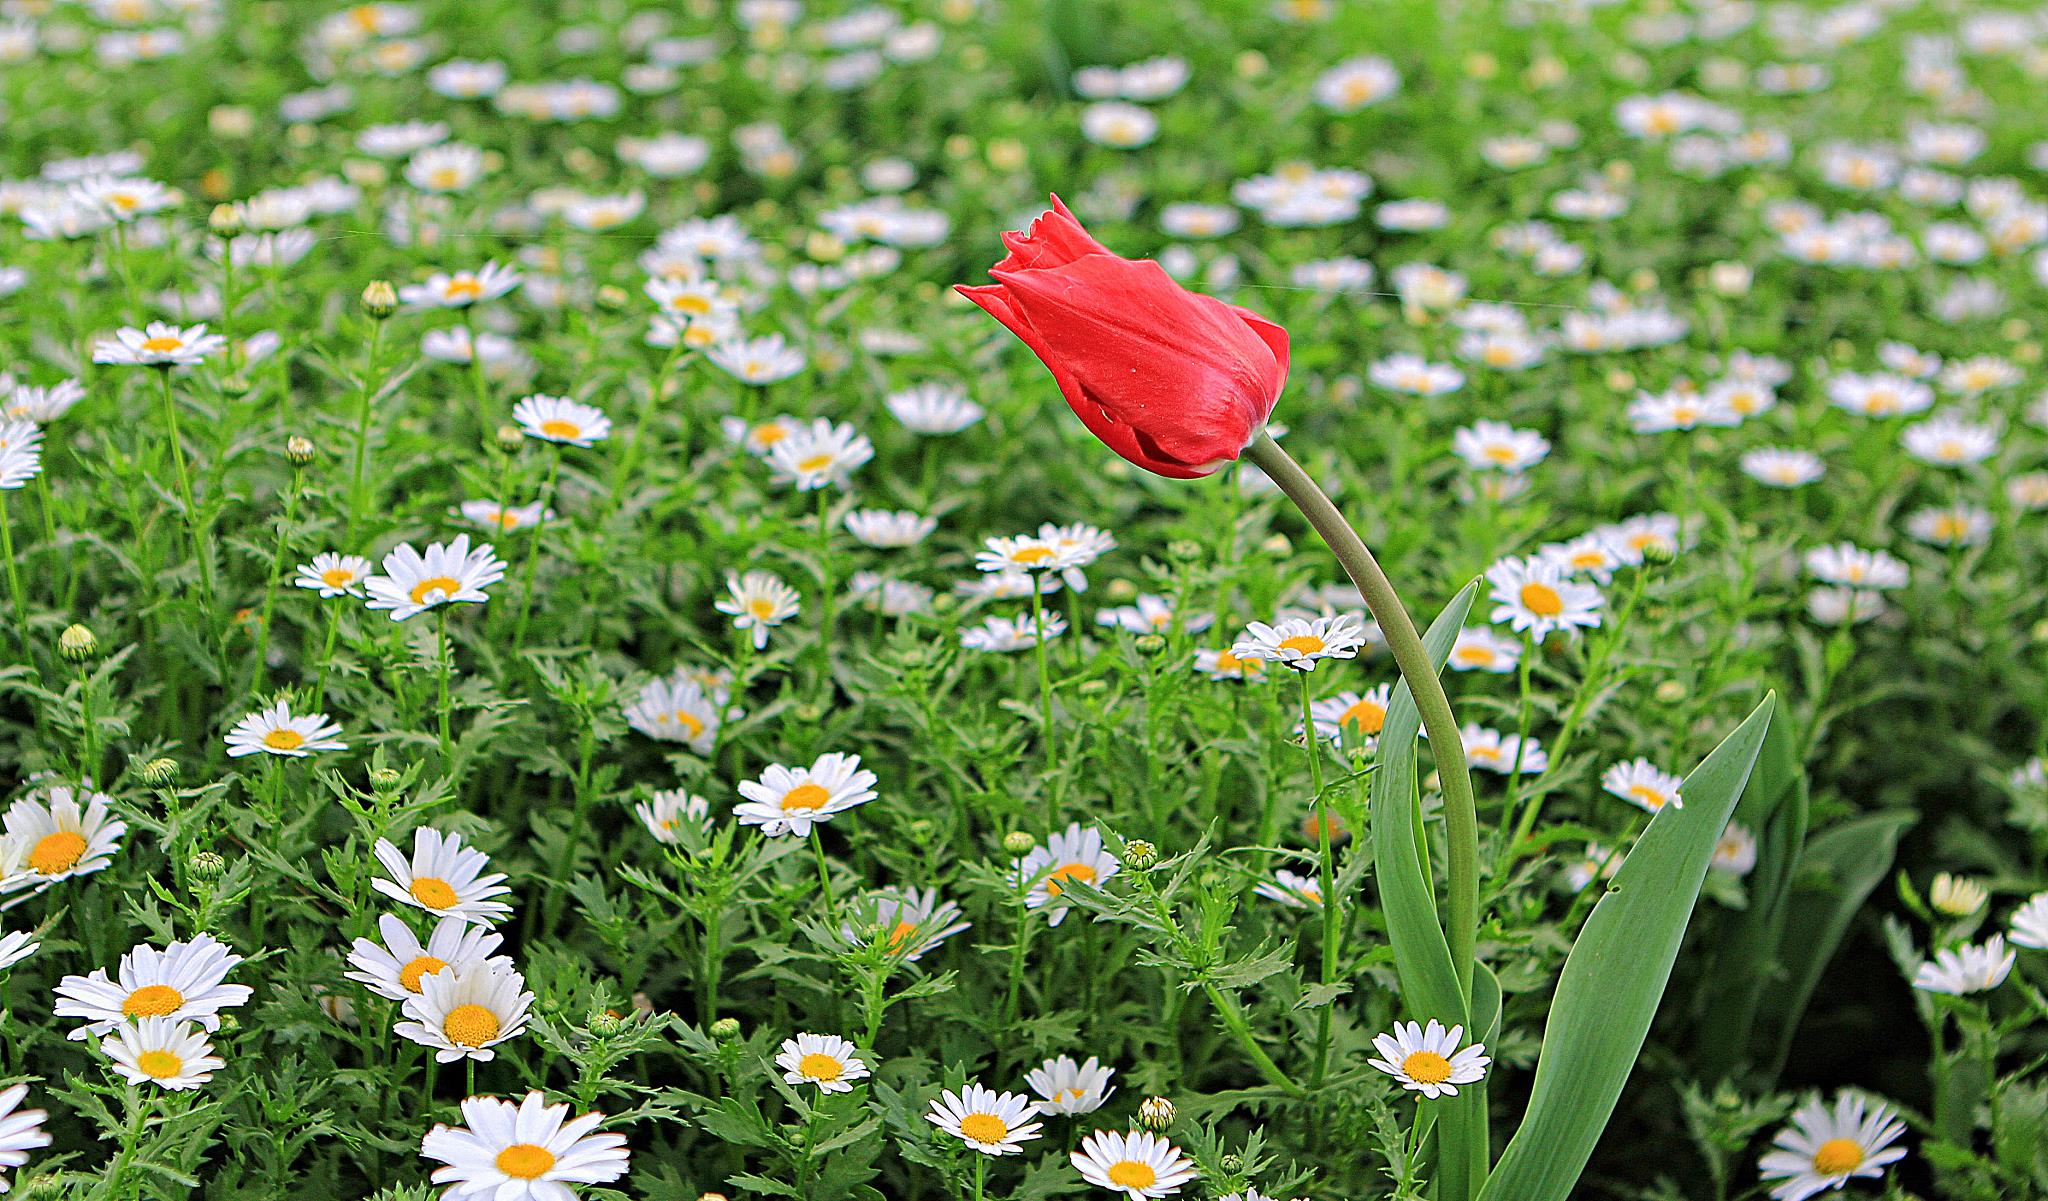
1422	956
1614	978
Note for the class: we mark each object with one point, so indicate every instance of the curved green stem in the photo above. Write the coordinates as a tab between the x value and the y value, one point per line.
1461	814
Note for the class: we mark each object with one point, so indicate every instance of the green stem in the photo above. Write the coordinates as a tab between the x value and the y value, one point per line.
1461	815
824	876
358	492
1052	776
1333	909
547	496
284	531
445	663
14	580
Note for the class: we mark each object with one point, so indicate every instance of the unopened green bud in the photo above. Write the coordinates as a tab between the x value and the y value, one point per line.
1140	855
725	1029
1150	644
160	773
298	449
1155	1113
612	298
509	438
603	1023
380	299
226	220
1184	550
1019	842
1670	692
1277	546
77	643
1122	591
207	865
384	779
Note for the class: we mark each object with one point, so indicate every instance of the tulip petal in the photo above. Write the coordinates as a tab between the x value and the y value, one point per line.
1055	239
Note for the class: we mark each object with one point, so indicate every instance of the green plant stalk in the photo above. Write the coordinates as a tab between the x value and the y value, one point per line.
547	496
1333	909
358	492
444	654
284	533
202	537
14	580
1461	814
1052	793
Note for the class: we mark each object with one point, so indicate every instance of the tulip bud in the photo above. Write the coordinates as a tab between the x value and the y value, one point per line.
77	643
380	299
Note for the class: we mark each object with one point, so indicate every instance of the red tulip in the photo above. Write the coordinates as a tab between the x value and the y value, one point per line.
1176	382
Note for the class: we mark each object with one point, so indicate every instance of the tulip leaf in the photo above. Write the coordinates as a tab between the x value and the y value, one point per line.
1614	978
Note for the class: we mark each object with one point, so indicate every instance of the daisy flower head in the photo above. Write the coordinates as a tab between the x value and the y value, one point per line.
42	405
758	601
531	1151
758	361
21	453
169	1054
1291	889
1735	851
561	420
826	1060
2029	925
933	410
447	573
676	709
1480	648
1847	565
461	289
1782	467
1951	525
275	731
1678	409
1428	1060
1643	784
159	344
1533	596
185	981
53	836
1226	665
790	800
1151	614
444	878
1948	440
1023	552
1969	968
1498	446
1592	555
1140	1165
1078	546
1879	395
1825	1148
503	518
332	574
394	968
1072	854
669	810
1414	375
1301	643
1066	1087
989	1122
1597	863
449	167
464	1014
1491	750
912	920
21	1130
1004	635
760	437
823	453
884	529
17	945
1353	717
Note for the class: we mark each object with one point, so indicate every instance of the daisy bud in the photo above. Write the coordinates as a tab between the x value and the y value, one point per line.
1155	1113
1140	855
509	438
1091	687
1957	896
298	449
612	298
2041	631
160	773
1150	644
1230	1164
725	1029
380	299
1123	592
226	220
384	779
1251	65
1658	554
1670	692
603	1023
1620	381
207	865
1018	842
1277	546
77	643
1729	278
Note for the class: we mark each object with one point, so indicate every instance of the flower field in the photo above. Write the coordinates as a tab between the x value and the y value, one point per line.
857	600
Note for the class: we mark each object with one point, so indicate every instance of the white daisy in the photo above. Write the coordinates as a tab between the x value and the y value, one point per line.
2029	923
764	360
559	419
21	1130
394	968
1353	718
1429	1061
820	454
1967	968
1479	648
934	409
169	1054
1292	890
758	601
1002	635
1140	1165
987	1121
788	800
1021	553
448	573
332	574
1151	614
912	920
886	530
464	1014
1781	467
1498	446
675	709
531	1151
1643	784
1491	750
275	731
1847	565
1947	440
184	982
826	1060
1066	1087
443	877
52	837
1824	1149
461	289
1533	596
1735	851
665	813
160	344
1072	854
1301	643
17	945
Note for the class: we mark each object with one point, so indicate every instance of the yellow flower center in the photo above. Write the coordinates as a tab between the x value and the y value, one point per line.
814	463
1303	644
1650	797
691	303
984	1128
1129	1173
770	434
442	584
337	577
1366	717
1427	1067
761	608
1498	355
820	1066
462	289
152	1001
444	177
57	852
162	344
1031	555
432	892
159	1065
525	1161
284	738
805	796
1542	599
471	1026
1949	526
688	721
558	428
1838	1156
902	931
1501	453
1069	871
425	965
